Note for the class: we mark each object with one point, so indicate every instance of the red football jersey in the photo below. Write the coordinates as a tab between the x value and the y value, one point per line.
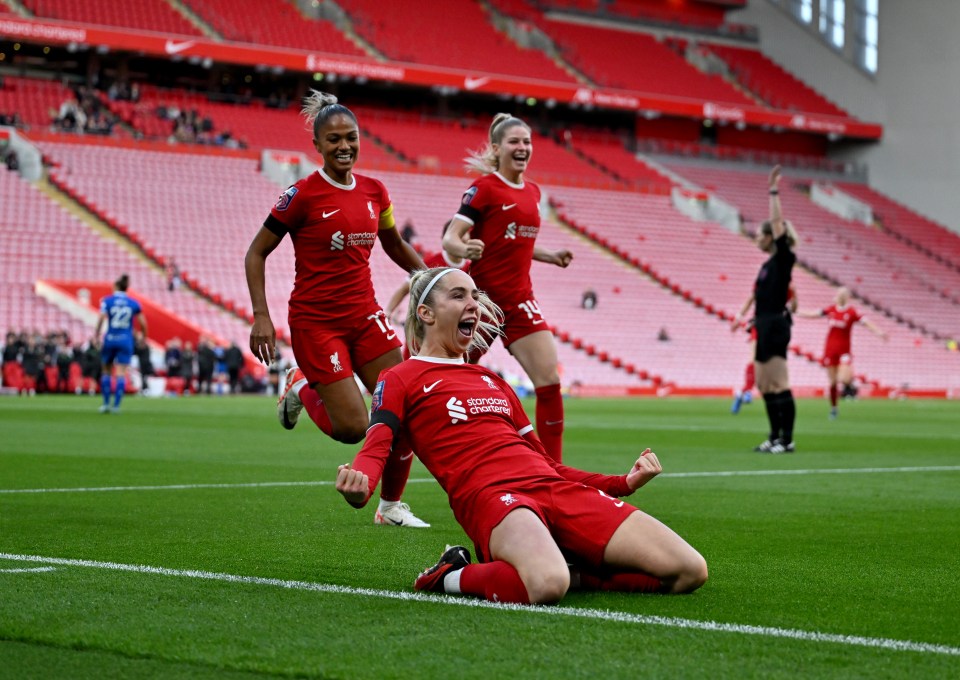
441	260
841	320
467	426
506	217
333	228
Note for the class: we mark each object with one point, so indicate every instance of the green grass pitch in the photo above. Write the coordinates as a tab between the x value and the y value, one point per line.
841	560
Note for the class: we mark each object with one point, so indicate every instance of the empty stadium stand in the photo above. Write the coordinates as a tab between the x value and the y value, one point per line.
273	22
148	15
771	82
454	33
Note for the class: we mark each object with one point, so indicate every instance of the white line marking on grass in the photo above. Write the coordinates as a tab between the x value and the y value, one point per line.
718	473
181	487
818	471
594	614
27	570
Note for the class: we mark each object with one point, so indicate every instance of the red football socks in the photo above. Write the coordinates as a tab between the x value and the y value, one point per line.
624	582
495	581
316	410
396	471
549	418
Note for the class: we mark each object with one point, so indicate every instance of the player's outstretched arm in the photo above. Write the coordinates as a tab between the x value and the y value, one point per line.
644	469
561	258
873	328
776	213
354	485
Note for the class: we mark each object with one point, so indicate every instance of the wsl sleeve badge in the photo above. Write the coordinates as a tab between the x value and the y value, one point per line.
377	397
468	196
285	198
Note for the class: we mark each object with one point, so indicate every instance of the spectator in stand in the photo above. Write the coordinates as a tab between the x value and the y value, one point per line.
12	368
334	216
90	366
837	357
11	160
173	358
233	360
118	313
206	362
777	237
589	299
173	275
496	228
188	358
538	527
408	233
31	358
142	350
64	360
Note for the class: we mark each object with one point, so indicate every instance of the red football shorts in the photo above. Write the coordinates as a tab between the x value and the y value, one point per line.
837	355
580	518
519	320
327	353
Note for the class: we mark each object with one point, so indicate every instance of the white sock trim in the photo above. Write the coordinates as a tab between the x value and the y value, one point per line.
451	582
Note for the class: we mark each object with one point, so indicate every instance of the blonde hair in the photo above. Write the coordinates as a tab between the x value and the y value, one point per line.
792	238
319	107
491	316
485	160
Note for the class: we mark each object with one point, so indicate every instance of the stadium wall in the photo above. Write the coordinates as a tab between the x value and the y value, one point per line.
913	94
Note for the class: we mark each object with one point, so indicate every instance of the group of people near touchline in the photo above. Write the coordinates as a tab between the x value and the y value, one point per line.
539	527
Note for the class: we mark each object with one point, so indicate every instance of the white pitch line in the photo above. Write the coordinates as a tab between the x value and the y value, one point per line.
27	570
817	471
593	614
673	475
181	487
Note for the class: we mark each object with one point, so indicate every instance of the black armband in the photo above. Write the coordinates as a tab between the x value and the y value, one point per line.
388	418
272	224
774	192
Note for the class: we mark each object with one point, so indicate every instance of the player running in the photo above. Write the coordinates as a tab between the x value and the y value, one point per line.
118	313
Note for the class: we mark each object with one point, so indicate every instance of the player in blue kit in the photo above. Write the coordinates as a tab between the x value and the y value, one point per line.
117	312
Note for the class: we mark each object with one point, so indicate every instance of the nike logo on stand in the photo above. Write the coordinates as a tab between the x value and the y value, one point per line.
507	207
331	213
427	388
473	83
171	47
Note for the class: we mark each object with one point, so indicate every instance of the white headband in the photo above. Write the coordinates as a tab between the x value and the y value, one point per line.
437	277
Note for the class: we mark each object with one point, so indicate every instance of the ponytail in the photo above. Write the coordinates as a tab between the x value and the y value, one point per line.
485	160
319	107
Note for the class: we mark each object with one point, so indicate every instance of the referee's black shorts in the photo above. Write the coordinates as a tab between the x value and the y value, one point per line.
773	336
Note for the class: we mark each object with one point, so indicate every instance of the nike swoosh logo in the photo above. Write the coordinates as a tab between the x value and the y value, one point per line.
430	387
331	213
553	422
473	83
507	207
172	47
407	457
537	321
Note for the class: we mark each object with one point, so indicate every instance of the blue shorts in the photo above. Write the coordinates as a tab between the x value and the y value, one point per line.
119	353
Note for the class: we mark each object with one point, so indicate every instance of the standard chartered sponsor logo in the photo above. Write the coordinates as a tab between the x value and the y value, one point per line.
365	238
477	405
455	410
